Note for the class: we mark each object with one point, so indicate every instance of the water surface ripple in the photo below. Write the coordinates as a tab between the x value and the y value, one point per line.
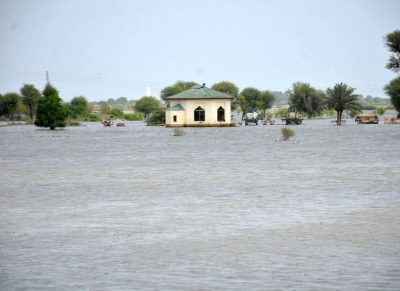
136	208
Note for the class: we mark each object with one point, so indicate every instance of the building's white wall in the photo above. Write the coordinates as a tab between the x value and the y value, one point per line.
211	112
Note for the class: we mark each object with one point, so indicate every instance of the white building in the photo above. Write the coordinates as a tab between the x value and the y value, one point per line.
199	106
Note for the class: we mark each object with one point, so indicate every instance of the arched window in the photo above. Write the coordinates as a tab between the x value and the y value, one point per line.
199	114
221	114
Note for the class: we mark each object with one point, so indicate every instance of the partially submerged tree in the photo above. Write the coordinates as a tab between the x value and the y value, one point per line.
30	95
50	111
392	42
341	97
242	105
147	105
78	107
393	90
306	99
9	103
265	101
252	95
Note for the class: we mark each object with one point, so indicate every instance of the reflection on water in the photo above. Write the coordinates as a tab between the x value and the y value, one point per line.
107	208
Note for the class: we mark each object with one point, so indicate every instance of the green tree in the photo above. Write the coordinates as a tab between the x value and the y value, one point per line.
1	106
392	42
393	90
241	105
178	87
265	101
116	113
341	97
306	99
121	100
50	111
228	88
111	101
380	110
21	109
78	107
29	95
9	103
157	116
252	95
147	105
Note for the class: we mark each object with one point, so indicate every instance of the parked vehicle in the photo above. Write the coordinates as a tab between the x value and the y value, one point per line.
367	119
292	117
251	116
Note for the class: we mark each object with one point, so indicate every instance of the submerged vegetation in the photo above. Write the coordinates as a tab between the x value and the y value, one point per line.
287	133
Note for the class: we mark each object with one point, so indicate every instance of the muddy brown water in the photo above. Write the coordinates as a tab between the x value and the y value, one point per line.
137	208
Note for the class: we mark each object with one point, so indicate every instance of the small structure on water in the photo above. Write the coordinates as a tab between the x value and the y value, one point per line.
367	119
108	122
269	121
391	121
199	107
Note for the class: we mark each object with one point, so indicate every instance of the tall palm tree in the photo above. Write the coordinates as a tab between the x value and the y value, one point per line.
342	97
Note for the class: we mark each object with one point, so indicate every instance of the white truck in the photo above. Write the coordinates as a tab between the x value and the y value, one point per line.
251	117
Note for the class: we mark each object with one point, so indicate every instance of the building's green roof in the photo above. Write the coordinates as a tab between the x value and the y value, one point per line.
176	107
200	93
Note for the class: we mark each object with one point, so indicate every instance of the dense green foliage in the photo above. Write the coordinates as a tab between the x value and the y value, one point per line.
116	113
133	116
79	108
29	96
393	90
306	99
8	103
392	42
50	111
380	110
251	95
147	105
287	133
157	117
264	102
178	87
229	89
342	97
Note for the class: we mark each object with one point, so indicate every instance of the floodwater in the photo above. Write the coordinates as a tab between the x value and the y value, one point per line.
137	208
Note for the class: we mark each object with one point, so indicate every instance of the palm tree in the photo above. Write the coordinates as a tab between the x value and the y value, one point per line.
342	97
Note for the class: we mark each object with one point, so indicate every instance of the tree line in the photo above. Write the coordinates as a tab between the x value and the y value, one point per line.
52	112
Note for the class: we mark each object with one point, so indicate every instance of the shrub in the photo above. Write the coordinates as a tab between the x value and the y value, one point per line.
178	131
380	110
287	133
134	116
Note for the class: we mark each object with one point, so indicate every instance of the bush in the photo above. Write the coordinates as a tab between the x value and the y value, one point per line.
380	110
157	117
134	116
287	133
116	113
178	131
94	117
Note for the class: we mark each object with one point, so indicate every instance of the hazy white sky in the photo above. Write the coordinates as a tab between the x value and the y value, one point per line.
107	49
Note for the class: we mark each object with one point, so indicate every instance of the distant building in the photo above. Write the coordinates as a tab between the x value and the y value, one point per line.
199	106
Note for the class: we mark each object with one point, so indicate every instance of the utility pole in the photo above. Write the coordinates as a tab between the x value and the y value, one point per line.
47	77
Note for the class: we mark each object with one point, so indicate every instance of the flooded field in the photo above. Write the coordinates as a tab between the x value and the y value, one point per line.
136	208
